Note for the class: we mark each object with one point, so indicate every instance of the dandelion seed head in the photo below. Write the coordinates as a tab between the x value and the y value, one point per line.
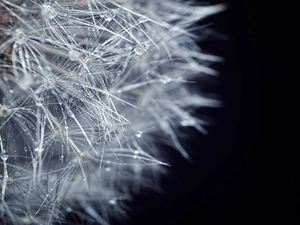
88	89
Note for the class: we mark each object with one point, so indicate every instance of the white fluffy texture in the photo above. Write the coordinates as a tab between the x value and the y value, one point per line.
88	89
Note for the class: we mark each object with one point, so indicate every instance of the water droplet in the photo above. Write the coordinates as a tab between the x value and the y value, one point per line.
69	209
74	55
17	174
139	134
166	80
143	19
110	15
4	156
112	201
48	12
138	51
70	112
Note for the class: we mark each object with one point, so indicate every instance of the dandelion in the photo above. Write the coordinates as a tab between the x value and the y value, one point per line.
85	88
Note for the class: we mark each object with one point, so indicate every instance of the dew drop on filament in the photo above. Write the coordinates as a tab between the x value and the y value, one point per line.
74	55
4	156
48	12
138	51
139	134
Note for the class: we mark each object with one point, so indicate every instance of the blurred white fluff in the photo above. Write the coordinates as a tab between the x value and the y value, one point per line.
86	88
